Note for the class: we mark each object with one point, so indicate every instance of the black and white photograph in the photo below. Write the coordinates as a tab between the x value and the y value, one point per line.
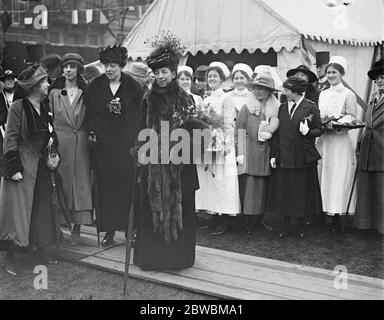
191	155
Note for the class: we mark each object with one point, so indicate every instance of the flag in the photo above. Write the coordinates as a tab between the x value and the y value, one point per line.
6	20
89	15
103	18
75	17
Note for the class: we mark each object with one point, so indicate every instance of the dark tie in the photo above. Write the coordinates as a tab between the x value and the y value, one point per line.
292	109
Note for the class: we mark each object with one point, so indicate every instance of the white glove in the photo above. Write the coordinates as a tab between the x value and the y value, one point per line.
17	177
273	163
304	129
265	135
240	159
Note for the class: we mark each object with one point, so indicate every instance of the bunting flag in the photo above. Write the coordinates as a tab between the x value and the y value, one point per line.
89	16
103	18
75	17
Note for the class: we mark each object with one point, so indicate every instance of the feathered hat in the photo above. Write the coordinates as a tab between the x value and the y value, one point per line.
167	47
115	54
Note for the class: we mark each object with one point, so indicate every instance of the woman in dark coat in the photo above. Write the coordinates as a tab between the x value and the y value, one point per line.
370	182
27	210
295	190
112	101
166	235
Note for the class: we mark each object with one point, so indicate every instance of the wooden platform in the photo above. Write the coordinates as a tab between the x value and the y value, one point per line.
230	275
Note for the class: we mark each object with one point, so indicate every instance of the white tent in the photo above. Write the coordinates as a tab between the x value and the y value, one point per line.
286	26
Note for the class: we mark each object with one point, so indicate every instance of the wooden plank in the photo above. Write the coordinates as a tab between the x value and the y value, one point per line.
244	274
197	285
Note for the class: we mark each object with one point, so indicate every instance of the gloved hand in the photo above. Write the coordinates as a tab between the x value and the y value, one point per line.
273	163
240	159
265	135
304	129
92	140
17	177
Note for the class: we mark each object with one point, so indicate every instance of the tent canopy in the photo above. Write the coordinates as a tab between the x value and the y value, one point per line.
215	25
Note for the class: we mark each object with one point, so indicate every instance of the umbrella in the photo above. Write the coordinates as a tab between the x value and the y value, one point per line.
128	243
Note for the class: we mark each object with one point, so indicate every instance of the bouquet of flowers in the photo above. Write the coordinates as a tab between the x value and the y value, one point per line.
114	107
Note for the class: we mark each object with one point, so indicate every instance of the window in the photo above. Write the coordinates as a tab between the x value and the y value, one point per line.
16	12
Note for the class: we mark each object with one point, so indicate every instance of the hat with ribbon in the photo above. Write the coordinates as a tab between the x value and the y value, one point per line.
264	80
296	84
304	69
72	58
8	74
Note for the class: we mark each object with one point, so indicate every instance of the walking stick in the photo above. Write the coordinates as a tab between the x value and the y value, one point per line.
351	193
128	244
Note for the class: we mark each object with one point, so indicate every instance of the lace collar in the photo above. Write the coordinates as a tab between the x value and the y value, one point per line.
241	93
217	93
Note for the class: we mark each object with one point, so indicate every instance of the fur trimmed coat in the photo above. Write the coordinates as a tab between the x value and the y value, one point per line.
111	158
166	237
72	133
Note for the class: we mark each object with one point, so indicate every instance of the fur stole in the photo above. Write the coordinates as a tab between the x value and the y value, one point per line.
164	180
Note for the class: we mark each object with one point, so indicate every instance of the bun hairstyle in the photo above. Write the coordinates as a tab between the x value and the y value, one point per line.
218	70
337	66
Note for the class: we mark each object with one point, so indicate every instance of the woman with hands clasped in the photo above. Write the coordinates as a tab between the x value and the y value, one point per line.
295	191
256	122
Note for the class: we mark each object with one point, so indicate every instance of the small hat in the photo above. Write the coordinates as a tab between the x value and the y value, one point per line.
322	57
341	61
185	68
91	71
222	66
8	74
264	80
304	69
243	67
377	69
115	54
138	69
72	58
296	84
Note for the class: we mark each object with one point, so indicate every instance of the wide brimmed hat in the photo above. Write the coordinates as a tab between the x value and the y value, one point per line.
31	76
243	67
91	71
377	69
222	66
304	69
340	61
72	58
263	80
185	68
138	69
322	57
295	83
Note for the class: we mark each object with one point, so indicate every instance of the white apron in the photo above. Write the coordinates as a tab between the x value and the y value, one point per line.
337	149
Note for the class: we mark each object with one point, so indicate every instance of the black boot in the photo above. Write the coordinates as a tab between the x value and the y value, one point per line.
222	227
301	228
285	231
108	239
248	224
336	223
10	264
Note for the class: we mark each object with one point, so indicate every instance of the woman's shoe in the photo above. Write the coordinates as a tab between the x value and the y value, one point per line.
220	229
283	233
10	265
75	237
266	226
44	258
108	239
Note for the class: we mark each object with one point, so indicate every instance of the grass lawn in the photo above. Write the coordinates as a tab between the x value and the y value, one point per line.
361	252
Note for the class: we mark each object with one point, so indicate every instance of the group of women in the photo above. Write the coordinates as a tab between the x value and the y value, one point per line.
269	161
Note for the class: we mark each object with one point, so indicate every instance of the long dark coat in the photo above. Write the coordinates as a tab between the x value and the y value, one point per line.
295	187
3	119
152	251
112	161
